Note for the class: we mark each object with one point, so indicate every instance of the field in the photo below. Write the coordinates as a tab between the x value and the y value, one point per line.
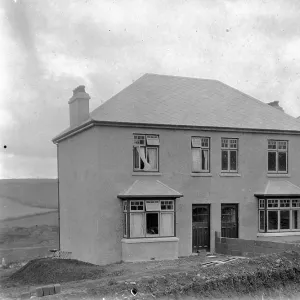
28	218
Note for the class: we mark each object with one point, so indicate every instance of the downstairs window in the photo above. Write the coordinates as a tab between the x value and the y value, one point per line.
149	218
279	215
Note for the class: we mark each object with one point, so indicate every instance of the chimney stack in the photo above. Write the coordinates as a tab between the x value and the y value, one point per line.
276	105
79	106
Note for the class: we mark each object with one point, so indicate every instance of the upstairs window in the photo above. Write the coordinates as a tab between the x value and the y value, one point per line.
145	152
277	156
229	155
200	154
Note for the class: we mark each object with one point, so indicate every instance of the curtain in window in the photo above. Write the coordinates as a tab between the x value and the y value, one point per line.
196	167
152	158
167	224
204	160
141	151
137	225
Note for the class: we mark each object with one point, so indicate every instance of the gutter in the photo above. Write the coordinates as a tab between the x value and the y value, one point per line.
92	123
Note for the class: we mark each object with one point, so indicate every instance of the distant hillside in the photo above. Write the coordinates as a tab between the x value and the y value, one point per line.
41	193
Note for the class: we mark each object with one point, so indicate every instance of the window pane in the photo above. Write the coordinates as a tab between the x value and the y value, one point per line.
125	224
284	203
224	143
196	142
196	164
296	203
152	223
152	155
233	160
284	219
271	161
137	225
136	158
272	203
152	205
261	220
261	203
273	220
271	144
204	160
167	224
295	219
205	142
167	204
139	140
152	140
282	161
282	145
125	205
224	160
233	144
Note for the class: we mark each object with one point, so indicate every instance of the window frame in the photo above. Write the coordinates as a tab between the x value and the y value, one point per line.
228	150
144	212
266	208
146	147
276	151
201	148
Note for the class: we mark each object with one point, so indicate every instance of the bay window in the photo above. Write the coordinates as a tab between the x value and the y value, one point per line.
148	218
279	215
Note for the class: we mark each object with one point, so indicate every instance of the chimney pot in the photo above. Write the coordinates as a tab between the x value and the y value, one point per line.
79	106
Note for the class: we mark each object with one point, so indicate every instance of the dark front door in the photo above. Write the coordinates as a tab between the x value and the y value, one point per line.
229	220
201	227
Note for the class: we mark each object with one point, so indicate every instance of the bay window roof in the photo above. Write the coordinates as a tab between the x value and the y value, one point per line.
279	188
149	189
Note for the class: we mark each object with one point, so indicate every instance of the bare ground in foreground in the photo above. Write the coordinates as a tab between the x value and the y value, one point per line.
275	275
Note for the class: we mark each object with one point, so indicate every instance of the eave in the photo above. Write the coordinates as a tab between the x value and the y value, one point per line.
92	123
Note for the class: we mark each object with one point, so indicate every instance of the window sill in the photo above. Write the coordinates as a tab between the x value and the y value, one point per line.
201	174
229	175
150	240
146	174
287	233
278	175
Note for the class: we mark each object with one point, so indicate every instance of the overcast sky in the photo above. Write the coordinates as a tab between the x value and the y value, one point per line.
49	47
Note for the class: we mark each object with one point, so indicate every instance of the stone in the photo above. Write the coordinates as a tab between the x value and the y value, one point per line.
39	292
57	288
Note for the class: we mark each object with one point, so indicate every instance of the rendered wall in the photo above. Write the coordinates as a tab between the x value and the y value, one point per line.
97	164
149	249
250	248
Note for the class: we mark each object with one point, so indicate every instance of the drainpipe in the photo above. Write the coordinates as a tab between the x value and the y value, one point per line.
58	199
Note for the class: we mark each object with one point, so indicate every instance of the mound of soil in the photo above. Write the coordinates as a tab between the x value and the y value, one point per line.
48	270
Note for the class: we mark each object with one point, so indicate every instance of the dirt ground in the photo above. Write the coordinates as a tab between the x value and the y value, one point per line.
128	272
274	276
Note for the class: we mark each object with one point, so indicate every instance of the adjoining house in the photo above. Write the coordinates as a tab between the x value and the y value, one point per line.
153	172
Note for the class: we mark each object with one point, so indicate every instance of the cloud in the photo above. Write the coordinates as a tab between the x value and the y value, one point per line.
49	47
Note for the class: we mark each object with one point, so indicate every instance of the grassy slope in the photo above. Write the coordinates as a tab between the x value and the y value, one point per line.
41	193
32	194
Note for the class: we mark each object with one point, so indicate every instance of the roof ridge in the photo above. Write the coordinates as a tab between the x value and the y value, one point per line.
292	184
167	186
181	77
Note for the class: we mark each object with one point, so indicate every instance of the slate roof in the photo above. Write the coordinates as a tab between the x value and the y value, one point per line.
280	188
180	101
171	100
149	188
